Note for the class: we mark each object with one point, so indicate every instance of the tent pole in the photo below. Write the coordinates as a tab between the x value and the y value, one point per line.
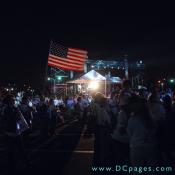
105	87
66	89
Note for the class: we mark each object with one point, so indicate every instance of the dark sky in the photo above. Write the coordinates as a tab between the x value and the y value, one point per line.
105	33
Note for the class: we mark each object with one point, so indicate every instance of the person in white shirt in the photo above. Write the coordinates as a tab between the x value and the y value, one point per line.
120	139
102	130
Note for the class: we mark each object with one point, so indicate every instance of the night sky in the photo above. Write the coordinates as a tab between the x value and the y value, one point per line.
103	32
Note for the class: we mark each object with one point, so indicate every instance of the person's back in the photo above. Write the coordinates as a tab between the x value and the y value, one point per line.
140	135
10	119
143	143
120	148
43	113
113	109
12	127
113	105
43	109
78	108
53	114
70	103
119	132
102	129
85	102
102	117
156	109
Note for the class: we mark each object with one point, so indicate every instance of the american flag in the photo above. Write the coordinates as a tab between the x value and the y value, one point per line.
66	58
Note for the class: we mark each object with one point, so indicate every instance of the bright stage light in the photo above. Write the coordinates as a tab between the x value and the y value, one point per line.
93	85
79	86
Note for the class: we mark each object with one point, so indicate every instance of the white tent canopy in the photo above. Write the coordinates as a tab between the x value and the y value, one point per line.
90	76
93	75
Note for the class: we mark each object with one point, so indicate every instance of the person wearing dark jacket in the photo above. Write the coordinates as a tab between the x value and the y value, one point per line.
11	116
43	112
52	117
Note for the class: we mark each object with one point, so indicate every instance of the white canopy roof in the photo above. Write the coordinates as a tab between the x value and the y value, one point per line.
95	76
90	76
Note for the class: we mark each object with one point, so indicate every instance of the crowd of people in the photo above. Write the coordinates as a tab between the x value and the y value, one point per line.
134	125
21	115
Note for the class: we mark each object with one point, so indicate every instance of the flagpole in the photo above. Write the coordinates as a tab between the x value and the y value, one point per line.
54	83
46	70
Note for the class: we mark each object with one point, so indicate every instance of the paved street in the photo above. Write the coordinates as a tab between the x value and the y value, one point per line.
69	152
64	153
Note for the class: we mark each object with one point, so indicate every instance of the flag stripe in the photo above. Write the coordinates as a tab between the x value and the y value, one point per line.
65	59
63	67
66	64
77	55
78	51
76	58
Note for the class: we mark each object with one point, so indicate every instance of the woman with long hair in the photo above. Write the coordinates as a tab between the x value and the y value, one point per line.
142	135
